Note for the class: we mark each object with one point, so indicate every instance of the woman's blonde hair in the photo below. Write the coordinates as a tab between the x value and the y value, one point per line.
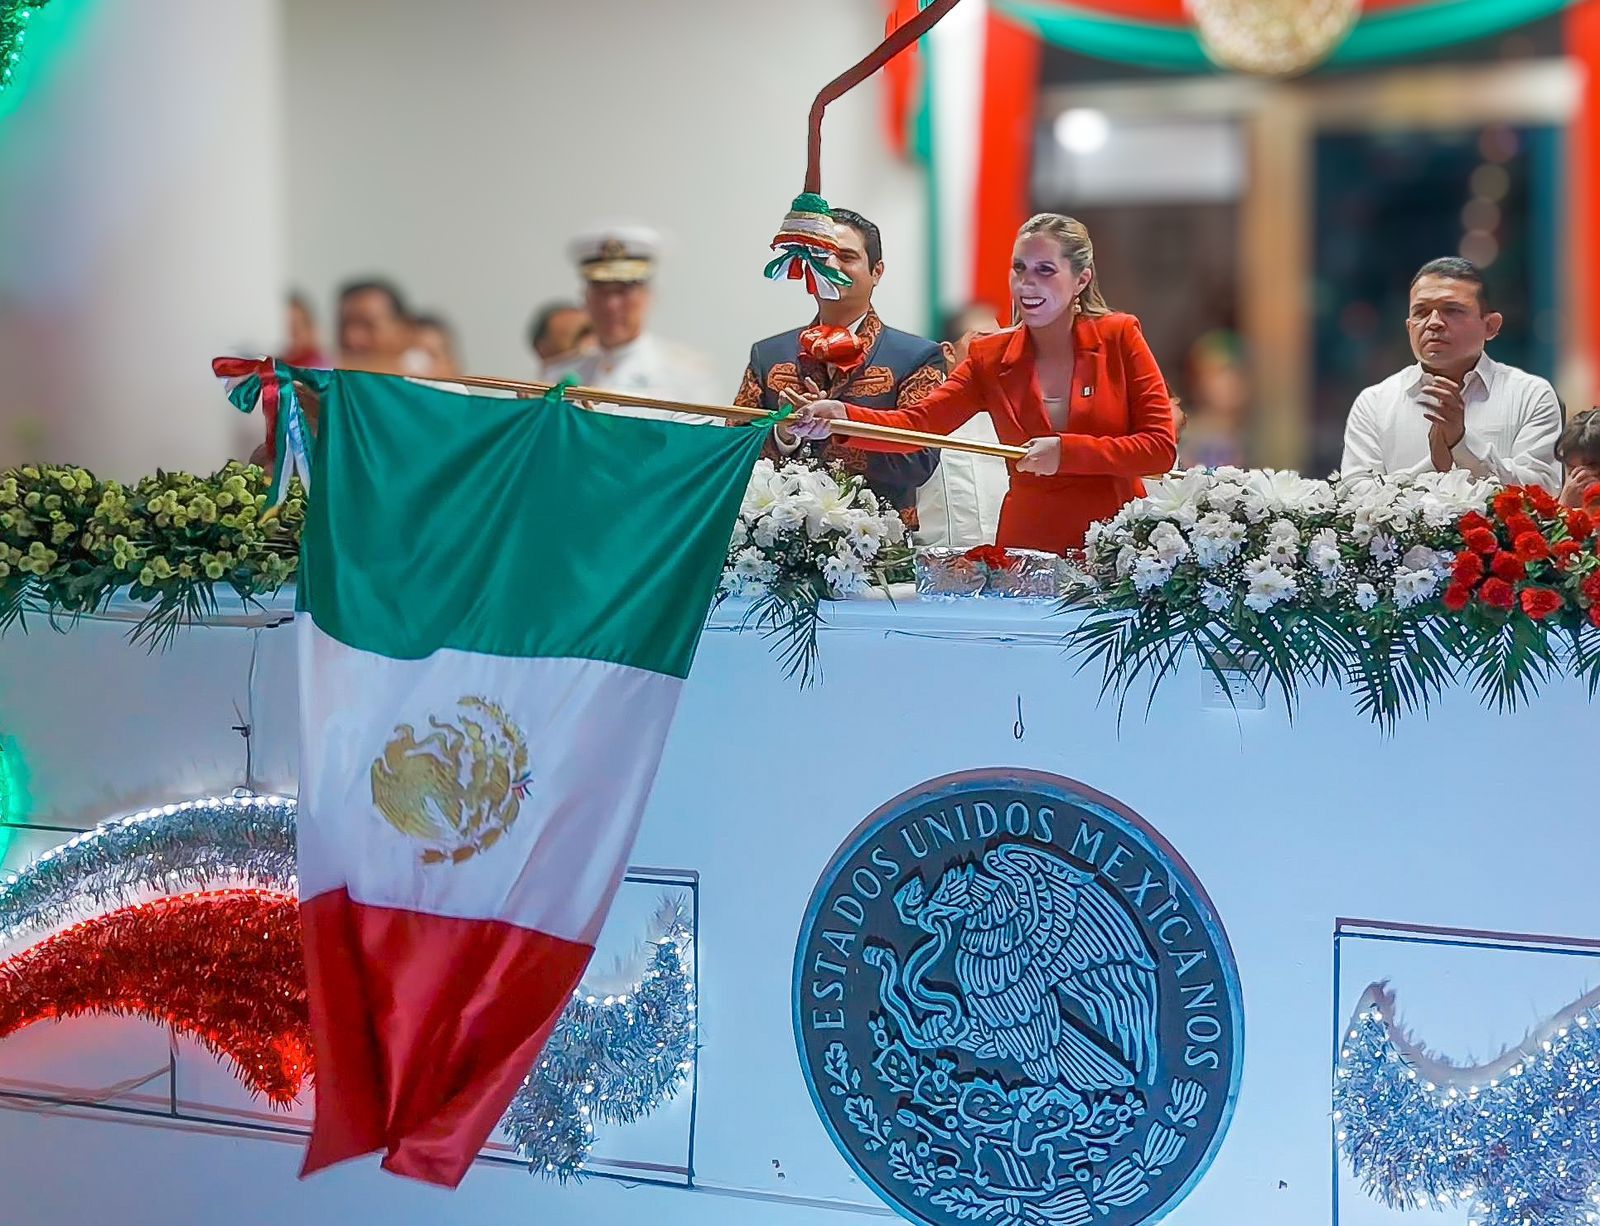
1073	238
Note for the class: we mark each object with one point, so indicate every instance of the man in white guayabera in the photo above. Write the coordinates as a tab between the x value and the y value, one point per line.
1457	407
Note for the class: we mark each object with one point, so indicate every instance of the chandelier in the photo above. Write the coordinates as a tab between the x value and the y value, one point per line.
1272	37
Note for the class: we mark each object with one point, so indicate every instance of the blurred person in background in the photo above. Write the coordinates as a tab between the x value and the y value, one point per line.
959	506
848	352
964	327
434	339
375	328
617	265
1579	450
560	334
1217	406
1457	407
304	346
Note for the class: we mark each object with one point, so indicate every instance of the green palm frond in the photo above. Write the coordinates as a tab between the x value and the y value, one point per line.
1508	662
789	616
1583	655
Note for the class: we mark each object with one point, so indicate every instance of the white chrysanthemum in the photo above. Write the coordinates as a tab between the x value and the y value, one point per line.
1420	557
764	534
865	535
1412	586
1126	557
1267	585
750	563
741	534
1323	553
1383	548
1216	539
788	513
1407	514
1447	496
1393	508
1167	542
1366	596
1252	507
1224	496
1215	598
1282	546
1150	572
843	571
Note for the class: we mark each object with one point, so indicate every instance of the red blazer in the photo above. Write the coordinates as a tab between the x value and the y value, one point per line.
1119	426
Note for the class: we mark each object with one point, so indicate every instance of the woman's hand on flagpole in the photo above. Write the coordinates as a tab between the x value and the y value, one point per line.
1044	456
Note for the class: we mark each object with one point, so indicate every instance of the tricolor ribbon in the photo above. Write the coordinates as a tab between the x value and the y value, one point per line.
271	384
799	262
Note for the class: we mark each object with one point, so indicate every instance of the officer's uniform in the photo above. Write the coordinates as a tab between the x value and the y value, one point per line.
647	365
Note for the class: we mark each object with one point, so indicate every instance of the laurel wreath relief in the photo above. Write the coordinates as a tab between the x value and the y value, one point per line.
986	1152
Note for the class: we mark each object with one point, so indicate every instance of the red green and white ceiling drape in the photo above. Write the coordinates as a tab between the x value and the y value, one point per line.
967	106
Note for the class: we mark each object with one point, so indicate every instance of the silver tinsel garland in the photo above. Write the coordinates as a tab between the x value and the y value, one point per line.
610	1059
1518	1140
165	849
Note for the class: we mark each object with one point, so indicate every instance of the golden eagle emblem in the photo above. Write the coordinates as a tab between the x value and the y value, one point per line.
460	787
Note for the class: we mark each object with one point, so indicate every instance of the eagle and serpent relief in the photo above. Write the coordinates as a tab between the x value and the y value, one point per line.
1014	1004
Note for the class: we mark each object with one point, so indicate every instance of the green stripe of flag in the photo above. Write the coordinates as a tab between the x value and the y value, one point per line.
515	528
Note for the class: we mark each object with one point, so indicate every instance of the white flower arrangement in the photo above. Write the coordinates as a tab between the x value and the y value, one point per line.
1300	578
800	524
806	534
1265	539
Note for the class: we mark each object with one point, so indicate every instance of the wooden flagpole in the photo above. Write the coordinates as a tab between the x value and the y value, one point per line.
856	429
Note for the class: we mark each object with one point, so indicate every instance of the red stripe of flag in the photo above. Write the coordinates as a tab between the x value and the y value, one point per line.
424	1026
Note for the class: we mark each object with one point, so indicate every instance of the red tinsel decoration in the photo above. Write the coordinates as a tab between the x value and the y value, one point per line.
225	967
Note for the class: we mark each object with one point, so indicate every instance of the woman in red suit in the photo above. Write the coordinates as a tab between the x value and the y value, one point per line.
1076	383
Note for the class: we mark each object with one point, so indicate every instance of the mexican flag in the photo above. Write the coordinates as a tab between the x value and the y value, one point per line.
499	602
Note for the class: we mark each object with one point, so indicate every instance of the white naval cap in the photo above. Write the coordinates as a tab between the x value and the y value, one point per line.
616	253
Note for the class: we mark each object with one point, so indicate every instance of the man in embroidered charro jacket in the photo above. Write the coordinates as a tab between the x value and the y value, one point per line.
849	354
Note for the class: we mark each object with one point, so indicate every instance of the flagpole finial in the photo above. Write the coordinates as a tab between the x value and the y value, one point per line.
805	244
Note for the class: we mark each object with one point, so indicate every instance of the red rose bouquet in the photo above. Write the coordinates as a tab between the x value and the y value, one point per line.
1529	561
